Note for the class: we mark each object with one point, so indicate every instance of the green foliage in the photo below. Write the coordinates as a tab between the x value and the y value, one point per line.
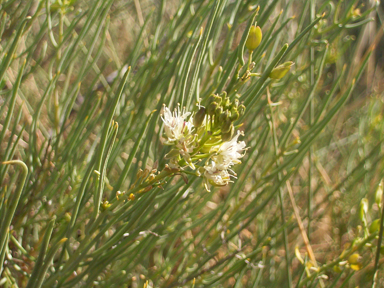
87	198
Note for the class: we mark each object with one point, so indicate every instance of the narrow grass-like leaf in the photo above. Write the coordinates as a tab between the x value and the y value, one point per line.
10	210
40	259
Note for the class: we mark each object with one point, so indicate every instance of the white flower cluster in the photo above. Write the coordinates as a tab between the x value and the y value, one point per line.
179	133
187	142
224	156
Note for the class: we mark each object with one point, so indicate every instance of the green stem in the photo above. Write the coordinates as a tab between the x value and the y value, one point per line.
342	257
13	204
375	273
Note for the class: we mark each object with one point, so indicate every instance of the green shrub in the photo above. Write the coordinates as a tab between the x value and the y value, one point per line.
102	186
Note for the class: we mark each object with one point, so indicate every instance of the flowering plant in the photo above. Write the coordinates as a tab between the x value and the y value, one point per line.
207	135
86	198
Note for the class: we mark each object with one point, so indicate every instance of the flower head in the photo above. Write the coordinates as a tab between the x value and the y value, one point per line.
215	176
178	132
229	153
175	125
203	136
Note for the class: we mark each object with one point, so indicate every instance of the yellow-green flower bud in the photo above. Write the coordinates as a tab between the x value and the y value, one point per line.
254	38
280	71
234	115
337	269
105	205
226	126
199	117
224	116
354	259
212	108
226	103
214	98
241	110
363	209
218	112
229	135
375	226
67	217
235	104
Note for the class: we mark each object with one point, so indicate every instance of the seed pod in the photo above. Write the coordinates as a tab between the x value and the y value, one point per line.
254	38
199	117
229	135
280	71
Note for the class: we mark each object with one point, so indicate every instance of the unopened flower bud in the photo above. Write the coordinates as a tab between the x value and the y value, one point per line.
226	126
214	98
211	108
363	209
241	110
234	115
235	104
199	117
224	116
151	177
105	205
218	112
337	269
280	71
375	226
254	38
118	194
354	259
229	135
67	217
227	104
139	173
